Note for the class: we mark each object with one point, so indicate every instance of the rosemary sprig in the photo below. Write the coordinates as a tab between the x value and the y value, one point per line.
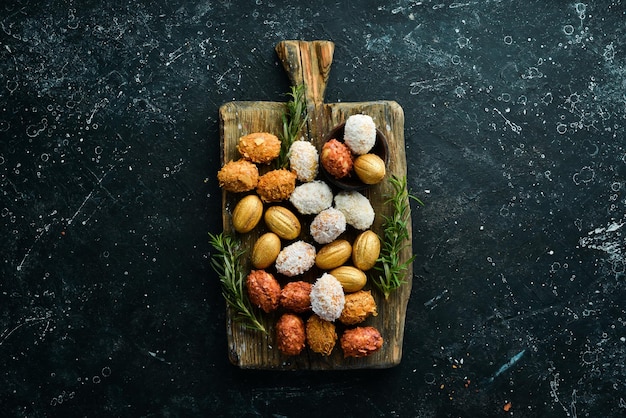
294	119
227	264
395	229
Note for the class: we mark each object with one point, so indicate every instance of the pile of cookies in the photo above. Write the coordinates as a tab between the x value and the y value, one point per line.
305	265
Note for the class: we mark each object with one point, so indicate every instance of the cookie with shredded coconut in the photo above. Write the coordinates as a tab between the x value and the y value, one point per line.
311	198
328	225
327	297
356	208
303	160
295	259
360	133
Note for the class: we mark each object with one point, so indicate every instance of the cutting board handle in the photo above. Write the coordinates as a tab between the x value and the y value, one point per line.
308	63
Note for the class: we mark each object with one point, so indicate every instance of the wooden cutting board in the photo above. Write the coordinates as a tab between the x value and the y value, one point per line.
309	63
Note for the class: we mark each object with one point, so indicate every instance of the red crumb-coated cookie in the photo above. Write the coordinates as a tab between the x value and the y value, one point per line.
295	297
263	290
290	334
361	341
336	158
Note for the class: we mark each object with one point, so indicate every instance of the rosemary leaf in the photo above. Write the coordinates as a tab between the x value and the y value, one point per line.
226	261
294	119
396	232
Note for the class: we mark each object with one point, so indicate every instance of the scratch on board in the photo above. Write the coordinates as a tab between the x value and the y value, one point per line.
28	321
90	194
514	127
100	105
506	366
41	232
610	241
429	85
173	56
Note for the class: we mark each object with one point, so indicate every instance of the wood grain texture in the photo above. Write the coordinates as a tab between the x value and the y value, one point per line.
254	350
307	63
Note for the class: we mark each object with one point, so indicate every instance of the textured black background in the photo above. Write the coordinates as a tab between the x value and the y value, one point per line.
109	146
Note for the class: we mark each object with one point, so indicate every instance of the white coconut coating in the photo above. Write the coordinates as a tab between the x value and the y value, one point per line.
360	134
295	258
312	197
304	160
327	297
356	208
328	225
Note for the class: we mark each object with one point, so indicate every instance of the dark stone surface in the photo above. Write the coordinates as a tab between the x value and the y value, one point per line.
109	148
